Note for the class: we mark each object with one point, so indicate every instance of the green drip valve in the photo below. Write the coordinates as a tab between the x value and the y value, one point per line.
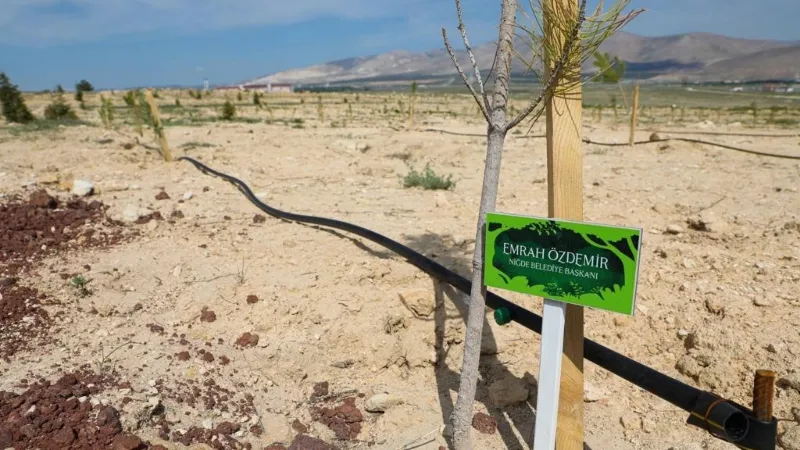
502	315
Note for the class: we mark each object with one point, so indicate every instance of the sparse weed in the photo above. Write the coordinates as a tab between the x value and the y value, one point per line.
59	109
79	282
428	179
129	98
106	112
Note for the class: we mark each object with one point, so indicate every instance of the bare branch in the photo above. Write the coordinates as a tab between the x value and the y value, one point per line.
463	30
555	74
482	104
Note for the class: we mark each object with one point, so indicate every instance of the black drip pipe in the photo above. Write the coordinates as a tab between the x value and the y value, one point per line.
722	418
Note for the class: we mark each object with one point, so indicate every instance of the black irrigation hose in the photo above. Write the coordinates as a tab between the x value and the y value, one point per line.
695	141
725	417
625	144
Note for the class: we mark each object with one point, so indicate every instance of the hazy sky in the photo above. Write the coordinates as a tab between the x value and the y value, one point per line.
121	43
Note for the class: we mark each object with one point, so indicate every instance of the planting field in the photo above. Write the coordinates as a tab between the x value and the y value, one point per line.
161	309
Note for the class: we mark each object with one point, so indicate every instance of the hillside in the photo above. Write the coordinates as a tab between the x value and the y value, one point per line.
773	64
647	57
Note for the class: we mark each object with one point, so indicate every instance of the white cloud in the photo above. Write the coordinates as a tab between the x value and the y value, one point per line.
45	22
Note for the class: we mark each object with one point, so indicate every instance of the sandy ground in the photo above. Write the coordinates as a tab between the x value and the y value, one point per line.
713	306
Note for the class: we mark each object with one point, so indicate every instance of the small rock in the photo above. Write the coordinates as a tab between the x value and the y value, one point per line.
162	196
654	137
47	178
631	421
252	299
382	402
259	218
648	425
623	321
82	188
593	393
227	428
65	437
344	364
131	213
484	423
420	301
674	229
790	382
151	383
762	301
321	389
126	442
508	391
776	347
188	196
207	315
208	424
299	427
247	339
41	199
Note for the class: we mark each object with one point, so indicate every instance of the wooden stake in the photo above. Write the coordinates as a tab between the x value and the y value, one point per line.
565	201
634	113
159	129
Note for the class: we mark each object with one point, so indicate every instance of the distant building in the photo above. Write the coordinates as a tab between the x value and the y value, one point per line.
264	87
270	87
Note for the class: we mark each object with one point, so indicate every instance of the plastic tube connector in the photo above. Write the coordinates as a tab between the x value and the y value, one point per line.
502	316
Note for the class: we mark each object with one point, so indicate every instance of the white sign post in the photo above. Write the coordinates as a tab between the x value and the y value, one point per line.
553	318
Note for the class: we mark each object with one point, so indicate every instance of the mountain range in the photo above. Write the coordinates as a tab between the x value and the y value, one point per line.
693	56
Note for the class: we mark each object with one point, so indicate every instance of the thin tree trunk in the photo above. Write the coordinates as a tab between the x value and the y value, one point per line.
462	413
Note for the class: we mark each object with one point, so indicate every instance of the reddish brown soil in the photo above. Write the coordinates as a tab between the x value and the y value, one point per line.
43	225
23	321
218	438
345	419
207	315
305	442
484	423
59	416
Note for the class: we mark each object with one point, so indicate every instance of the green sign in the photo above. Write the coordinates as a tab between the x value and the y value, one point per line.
573	262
